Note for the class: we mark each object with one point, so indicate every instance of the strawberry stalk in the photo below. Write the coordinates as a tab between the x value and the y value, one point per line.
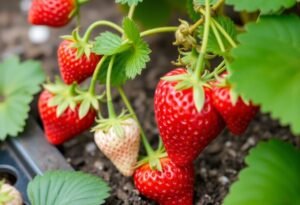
146	143
159	30
95	75
225	34
110	107
218	37
131	11
96	24
200	60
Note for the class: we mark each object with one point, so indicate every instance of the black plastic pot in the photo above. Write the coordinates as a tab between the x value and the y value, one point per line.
27	155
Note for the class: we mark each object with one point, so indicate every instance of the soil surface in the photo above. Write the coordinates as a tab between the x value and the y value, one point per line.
216	168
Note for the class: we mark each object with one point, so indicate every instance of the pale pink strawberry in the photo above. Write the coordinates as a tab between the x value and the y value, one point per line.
11	195
121	150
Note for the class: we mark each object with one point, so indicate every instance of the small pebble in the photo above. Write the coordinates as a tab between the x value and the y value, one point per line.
91	148
213	173
122	195
38	34
250	142
223	180
99	165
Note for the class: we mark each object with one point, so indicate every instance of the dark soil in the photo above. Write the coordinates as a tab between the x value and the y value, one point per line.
216	168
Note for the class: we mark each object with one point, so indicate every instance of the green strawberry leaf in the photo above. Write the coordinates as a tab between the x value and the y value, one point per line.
131	30
265	7
109	44
118	75
191	11
129	2
136	58
67	187
127	64
266	67
271	178
213	45
18	83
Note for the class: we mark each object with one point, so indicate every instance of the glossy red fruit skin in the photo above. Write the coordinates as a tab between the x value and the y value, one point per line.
238	116
54	13
67	126
184	130
75	69
174	185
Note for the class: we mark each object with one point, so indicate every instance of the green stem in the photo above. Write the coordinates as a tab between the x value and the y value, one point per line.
218	4
131	11
196	25
110	106
225	34
96	24
218	37
146	143
95	75
200	61
219	69
159	30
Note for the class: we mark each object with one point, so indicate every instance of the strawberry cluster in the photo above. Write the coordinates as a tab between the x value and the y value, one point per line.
191	111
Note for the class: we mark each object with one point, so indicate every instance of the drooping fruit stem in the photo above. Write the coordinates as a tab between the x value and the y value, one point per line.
131	11
159	30
224	33
218	37
110	106
96	24
95	75
146	143
200	60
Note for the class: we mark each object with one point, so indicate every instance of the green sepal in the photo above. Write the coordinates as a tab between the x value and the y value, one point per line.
154	158
112	123
233	97
186	81
88	101
5	197
64	96
82	47
199	97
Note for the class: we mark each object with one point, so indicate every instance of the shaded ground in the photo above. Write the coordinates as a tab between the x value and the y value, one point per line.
216	168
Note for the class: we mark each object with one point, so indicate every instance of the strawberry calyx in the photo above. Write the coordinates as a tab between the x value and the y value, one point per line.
69	96
187	81
82	46
115	123
63	96
88	101
153	158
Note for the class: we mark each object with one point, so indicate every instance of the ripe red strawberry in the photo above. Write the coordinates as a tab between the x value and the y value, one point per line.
237	115
184	130
72	67
68	125
55	13
171	186
121	150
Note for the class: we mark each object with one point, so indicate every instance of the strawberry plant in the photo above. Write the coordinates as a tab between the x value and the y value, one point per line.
225	73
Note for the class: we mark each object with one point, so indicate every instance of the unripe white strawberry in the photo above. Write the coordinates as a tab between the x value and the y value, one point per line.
121	150
9	195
